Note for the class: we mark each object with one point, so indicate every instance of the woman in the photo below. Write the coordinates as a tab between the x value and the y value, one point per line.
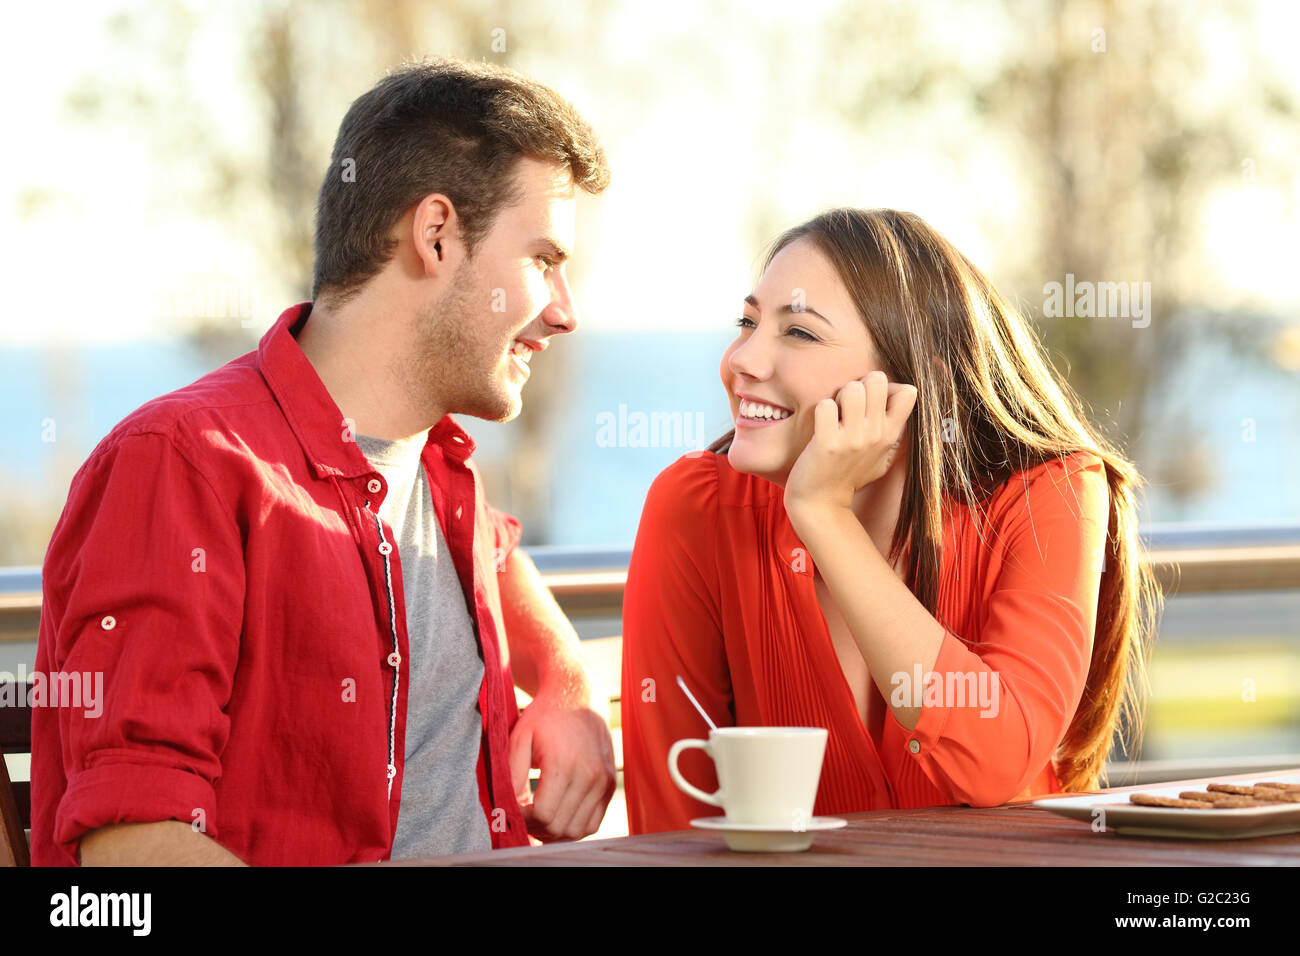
945	573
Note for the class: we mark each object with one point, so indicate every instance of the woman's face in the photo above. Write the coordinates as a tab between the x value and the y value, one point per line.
801	340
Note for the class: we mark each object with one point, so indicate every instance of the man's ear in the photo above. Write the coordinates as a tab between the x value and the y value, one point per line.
434	228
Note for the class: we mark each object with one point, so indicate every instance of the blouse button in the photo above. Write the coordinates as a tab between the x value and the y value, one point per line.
392	771
108	623
385	548
373	486
914	746
394	659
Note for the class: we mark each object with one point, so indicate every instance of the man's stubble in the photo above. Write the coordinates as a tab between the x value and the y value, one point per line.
453	362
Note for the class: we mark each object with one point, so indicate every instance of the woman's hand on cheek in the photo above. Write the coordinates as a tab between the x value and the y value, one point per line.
855	436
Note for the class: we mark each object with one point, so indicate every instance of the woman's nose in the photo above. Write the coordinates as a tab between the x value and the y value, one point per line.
751	358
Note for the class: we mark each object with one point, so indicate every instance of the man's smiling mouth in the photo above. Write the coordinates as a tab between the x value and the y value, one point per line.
521	353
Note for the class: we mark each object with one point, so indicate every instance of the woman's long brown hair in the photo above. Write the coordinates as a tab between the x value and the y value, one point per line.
1003	409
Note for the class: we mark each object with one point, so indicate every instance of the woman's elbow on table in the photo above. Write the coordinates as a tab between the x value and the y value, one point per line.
979	778
993	788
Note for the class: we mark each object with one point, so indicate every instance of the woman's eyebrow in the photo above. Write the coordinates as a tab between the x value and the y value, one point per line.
788	309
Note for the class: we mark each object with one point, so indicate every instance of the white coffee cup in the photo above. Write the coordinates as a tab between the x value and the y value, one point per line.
767	776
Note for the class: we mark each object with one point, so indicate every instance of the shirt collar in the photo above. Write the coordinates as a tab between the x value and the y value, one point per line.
312	412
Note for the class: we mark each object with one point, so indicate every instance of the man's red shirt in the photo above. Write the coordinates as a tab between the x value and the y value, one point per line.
221	562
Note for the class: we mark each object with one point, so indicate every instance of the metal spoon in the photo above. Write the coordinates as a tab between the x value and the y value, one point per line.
687	691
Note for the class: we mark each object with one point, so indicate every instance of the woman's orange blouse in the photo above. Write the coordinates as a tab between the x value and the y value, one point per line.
721	591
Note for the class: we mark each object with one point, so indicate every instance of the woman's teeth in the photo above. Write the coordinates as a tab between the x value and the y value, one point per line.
761	412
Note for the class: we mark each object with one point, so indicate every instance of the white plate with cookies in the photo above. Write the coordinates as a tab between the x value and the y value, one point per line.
1218	810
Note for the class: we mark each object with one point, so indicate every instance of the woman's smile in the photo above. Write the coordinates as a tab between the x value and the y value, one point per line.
756	414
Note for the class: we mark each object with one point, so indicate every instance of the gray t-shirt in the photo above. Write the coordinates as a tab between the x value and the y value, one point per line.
440	811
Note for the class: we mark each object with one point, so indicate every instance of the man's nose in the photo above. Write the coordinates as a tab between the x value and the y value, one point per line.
561	313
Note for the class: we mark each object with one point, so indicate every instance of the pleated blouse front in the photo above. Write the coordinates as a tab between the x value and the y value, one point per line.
721	591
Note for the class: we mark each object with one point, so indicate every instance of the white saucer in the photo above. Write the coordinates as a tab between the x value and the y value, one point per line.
760	838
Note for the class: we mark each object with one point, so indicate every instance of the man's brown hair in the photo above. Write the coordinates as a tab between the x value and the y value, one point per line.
438	126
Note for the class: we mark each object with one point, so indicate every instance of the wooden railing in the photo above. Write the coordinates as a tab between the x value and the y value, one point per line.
1184	560
588	584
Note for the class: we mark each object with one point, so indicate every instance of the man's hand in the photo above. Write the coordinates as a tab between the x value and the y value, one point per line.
570	743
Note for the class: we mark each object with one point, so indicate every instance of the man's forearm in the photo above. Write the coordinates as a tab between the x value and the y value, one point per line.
564	732
544	651
166	843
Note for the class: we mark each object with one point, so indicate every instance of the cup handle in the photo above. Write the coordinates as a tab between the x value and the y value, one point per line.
681	782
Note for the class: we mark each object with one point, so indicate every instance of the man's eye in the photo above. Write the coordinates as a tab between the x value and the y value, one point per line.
546	261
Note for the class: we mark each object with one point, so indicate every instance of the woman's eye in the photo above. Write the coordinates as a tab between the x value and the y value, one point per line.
745	322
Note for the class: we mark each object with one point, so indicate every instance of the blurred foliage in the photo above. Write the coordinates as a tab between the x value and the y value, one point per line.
1116	160
1113	154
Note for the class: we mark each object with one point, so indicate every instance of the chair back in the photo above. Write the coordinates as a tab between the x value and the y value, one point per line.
15	798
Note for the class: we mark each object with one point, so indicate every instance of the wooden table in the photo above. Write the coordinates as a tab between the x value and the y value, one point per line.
1012	835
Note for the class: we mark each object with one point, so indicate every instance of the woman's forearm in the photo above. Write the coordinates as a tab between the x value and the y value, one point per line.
892	629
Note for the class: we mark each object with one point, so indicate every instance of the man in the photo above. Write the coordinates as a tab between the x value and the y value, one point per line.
306	615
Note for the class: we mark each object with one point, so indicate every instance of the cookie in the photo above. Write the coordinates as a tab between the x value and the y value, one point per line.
1202	797
1275	796
1233	800
1152	800
1220	799
1230	788
1203	801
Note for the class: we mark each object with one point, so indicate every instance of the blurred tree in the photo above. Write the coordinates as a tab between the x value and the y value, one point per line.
1116	159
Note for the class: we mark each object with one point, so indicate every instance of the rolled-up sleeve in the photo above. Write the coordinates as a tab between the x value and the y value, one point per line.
507	532
995	710
144	592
